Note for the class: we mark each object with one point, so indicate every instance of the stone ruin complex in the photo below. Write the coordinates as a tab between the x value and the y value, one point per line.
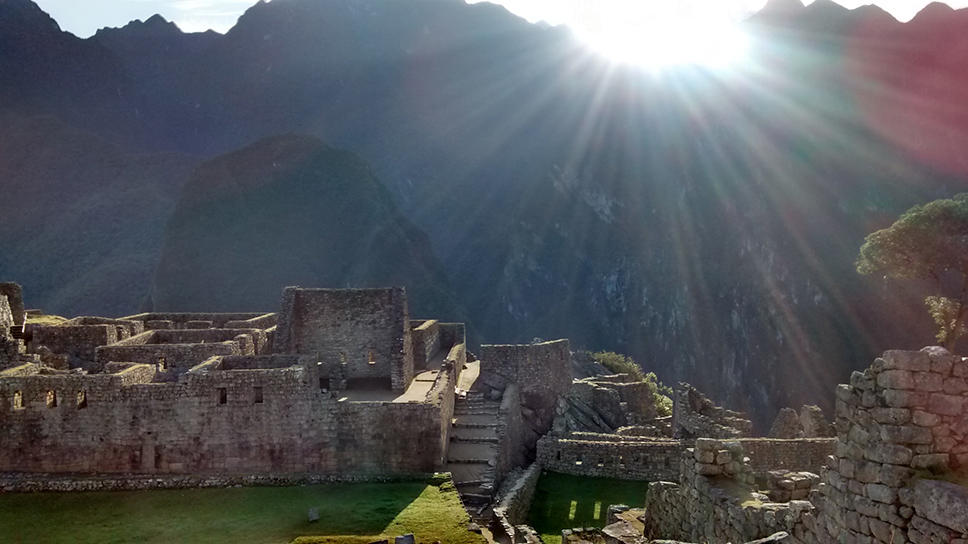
343	385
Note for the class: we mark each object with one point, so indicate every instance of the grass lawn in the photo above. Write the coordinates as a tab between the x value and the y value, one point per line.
562	502
257	515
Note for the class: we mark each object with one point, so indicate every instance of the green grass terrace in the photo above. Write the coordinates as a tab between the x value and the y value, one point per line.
562	501
349	513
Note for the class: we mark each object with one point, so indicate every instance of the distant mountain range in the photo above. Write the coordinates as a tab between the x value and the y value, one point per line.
704	222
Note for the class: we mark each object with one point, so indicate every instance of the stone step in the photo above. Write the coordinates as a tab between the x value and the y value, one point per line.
468	412
474	439
475	498
468	461
475	426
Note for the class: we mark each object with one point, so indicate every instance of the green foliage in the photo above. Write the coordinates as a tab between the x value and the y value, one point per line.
927	242
619	364
348	513
622	364
562	501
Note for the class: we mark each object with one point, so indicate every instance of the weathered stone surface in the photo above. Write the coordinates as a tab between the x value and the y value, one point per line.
896	379
928	381
946	405
943	503
881	493
907	360
924	419
896	434
889	453
938	461
897	398
955	385
892	416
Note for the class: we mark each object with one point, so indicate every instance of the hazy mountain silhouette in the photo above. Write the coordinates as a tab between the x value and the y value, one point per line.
289	210
704	221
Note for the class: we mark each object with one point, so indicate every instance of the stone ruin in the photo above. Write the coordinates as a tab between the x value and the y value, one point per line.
340	384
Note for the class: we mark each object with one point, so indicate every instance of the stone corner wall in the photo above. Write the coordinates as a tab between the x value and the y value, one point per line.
515	499
900	420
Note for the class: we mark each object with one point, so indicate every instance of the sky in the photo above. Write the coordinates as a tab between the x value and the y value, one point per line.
84	17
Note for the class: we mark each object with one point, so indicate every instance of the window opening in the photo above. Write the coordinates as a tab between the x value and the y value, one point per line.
258	395
18	400
223	396
52	399
324	384
372	357
81	400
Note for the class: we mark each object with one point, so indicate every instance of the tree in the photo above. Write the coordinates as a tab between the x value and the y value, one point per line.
928	242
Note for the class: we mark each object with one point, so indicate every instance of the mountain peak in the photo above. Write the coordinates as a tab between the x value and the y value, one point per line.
24	16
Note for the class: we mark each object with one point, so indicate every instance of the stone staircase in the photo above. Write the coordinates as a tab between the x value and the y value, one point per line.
472	453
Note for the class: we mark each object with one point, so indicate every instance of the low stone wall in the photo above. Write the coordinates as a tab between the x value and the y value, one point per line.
711	502
32	483
515	498
218	320
610	456
897	422
801	454
79	341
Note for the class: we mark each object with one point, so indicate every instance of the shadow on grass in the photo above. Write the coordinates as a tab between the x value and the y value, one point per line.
562	501
239	515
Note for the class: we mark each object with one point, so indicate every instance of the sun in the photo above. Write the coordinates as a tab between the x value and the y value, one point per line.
644	34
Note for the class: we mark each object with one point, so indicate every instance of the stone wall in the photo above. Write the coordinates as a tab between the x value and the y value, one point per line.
10	347
541	370
611	456
79	341
542	373
368	329
15	298
425	338
901	424
903	418
172	320
694	415
711	501
175	357
271	420
803	454
514	437
514	500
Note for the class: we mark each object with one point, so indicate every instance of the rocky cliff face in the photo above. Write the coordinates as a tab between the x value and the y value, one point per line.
704	222
289	210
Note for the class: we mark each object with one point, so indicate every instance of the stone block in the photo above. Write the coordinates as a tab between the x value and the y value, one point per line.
858	436
946	405
928	381
960	367
895	476
897	398
881	493
896	379
892	416
935	461
907	360
905	434
868	473
894	454
924	419
941	359
861	381
955	386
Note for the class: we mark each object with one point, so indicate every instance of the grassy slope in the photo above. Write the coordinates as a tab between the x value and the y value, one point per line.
236	515
562	502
